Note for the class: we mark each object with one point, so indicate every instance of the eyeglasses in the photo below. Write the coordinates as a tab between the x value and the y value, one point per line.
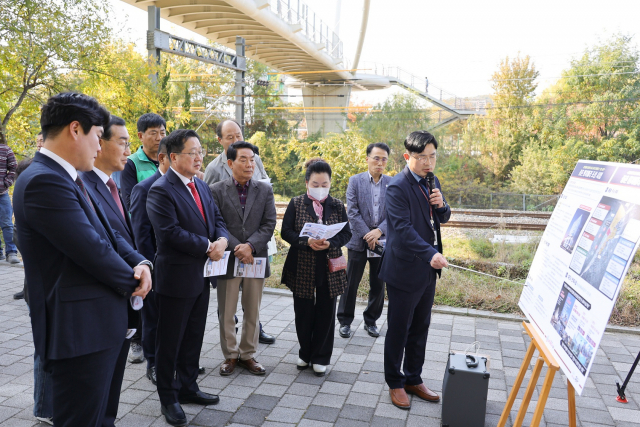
426	159
380	159
194	154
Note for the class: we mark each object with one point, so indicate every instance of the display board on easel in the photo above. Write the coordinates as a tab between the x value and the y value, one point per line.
581	262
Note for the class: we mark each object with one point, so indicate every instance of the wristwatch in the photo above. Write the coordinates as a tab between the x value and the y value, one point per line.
147	263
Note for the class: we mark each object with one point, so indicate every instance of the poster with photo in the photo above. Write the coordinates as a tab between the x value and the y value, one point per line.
582	260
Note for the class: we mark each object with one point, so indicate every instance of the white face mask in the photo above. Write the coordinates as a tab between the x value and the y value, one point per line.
318	193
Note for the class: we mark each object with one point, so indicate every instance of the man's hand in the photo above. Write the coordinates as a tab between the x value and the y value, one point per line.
438	261
244	253
319	245
216	249
436	198
143	274
372	236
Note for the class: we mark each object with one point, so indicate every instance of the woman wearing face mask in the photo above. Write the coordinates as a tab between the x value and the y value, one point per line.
313	268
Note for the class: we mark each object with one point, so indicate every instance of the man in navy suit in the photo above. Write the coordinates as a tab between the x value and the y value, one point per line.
145	240
411	260
81	273
114	149
189	230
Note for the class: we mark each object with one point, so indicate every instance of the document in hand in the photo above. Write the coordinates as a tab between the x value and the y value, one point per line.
256	270
321	231
217	268
372	254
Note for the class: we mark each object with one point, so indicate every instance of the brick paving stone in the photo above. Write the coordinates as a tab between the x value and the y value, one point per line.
322	413
249	416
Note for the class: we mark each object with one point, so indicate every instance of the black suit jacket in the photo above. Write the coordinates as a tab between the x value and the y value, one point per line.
80	272
410	240
182	235
143	233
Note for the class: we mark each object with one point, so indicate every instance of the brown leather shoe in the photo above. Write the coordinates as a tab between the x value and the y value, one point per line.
228	366
252	366
422	392
399	398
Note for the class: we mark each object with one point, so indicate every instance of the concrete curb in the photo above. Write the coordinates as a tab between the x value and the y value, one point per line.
443	309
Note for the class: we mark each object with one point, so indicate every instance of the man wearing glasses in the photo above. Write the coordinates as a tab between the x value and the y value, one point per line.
367	218
189	230
410	263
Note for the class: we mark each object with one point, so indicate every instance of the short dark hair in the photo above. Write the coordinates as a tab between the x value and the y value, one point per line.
232	151
150	120
22	165
417	141
380	145
113	121
64	108
316	165
256	150
175	140
39	133
162	147
219	127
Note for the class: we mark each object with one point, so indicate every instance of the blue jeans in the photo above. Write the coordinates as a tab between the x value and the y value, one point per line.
6	223
42	390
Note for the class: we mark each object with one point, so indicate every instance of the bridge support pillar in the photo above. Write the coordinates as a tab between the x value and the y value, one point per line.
322	119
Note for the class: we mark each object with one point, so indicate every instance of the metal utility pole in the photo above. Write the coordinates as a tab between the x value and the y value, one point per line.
240	47
154	24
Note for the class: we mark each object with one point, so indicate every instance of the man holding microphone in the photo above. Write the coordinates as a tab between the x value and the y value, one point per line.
411	260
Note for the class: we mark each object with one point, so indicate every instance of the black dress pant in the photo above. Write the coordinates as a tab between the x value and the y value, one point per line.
86	389
181	324
315	324
408	319
149	327
355	269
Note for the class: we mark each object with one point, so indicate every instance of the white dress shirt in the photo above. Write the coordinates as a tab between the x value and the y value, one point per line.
62	162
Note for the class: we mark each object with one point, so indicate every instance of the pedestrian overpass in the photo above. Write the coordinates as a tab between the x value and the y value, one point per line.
289	37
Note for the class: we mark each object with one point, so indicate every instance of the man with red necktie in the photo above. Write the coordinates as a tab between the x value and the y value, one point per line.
189	230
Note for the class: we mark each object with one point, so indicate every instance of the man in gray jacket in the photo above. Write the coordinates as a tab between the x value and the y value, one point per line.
248	208
366	211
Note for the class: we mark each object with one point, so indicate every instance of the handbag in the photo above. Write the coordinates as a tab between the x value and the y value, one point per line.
337	264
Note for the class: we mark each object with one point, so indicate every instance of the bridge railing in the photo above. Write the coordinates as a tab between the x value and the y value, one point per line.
295	12
421	84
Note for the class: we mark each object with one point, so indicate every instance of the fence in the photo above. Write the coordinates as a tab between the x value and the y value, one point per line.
464	199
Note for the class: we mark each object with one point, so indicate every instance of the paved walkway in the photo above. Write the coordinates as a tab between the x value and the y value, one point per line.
352	393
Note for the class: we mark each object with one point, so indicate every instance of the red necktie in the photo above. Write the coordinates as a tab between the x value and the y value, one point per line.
114	193
196	196
84	192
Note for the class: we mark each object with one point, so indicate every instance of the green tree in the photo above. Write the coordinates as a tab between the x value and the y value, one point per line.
41	41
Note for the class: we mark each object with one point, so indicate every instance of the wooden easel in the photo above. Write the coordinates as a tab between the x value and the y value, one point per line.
544	357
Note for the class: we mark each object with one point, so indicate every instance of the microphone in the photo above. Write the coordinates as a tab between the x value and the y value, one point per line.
431	182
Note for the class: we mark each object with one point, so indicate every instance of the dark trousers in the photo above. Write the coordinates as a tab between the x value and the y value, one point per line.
85	388
355	269
181	324
315	323
149	328
408	319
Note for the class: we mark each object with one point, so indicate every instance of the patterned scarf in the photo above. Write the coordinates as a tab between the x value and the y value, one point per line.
317	205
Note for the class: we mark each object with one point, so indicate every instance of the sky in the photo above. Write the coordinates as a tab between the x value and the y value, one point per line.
457	45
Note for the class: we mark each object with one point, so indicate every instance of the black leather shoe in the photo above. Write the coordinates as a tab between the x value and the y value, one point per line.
151	374
19	295
266	338
200	398
174	414
200	370
372	330
345	331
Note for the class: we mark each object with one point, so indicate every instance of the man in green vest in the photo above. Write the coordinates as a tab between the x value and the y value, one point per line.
144	162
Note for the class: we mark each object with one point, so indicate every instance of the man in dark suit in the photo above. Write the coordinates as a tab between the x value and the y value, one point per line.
81	273
367	218
189	229
145	240
249	211
411	260
114	149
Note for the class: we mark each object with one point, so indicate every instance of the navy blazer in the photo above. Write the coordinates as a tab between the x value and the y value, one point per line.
143	233
100	191
80	272
410	240
182	235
